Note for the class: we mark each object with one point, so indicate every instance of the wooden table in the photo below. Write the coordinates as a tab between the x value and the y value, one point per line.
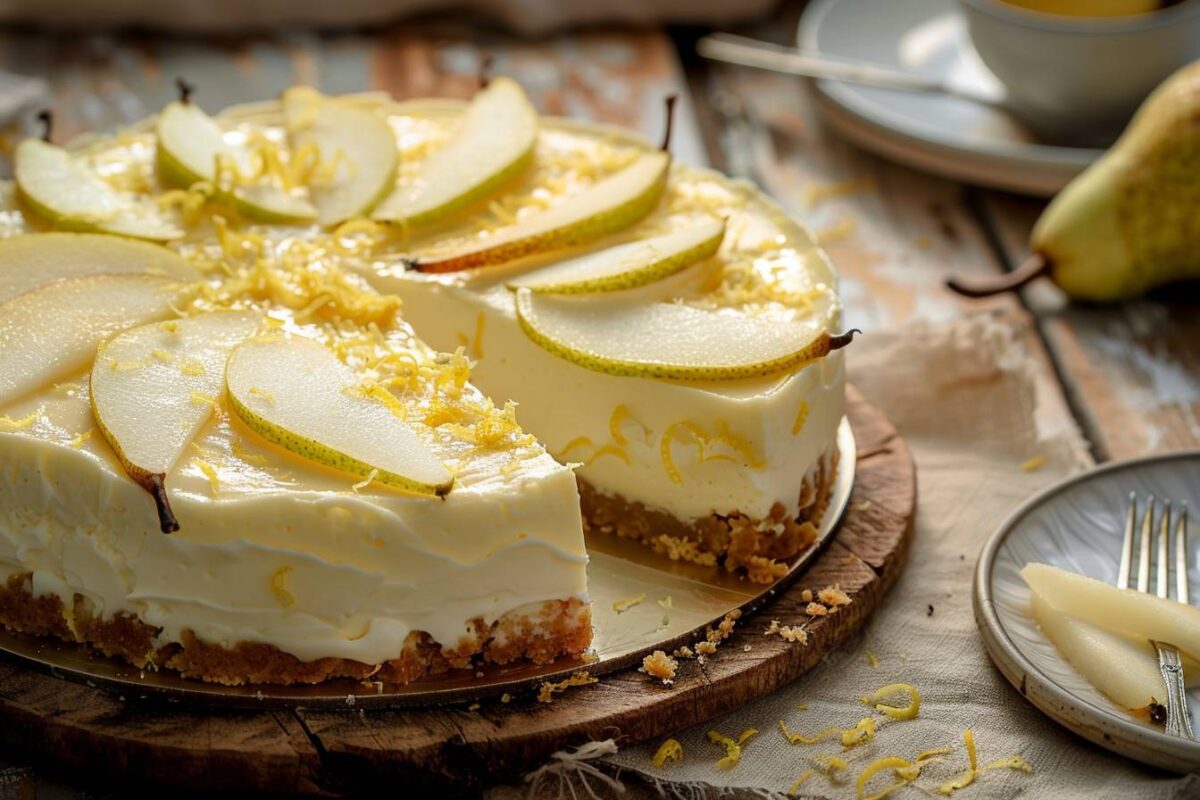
1128	377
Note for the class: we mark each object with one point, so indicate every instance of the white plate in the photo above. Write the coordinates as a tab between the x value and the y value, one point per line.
1079	525
946	135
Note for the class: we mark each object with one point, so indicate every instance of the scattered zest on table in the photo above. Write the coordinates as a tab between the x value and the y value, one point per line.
733	749
670	750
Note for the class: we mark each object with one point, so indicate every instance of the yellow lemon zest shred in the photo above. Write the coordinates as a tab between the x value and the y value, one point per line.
795	737
863	731
621	606
733	749
210	472
279	580
801	778
200	398
895	712
968	777
834	768
801	417
670	750
899	767
78	441
7	423
1033	464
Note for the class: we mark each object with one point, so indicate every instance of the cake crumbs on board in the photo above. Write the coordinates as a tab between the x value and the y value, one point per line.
660	665
549	689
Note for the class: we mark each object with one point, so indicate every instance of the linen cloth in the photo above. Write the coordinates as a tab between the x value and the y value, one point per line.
967	399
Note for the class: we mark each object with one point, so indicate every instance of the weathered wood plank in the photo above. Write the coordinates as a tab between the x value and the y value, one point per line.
1131	372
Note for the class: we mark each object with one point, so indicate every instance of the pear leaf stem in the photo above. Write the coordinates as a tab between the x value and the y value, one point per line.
186	90
485	70
670	124
842	339
46	117
1033	267
166	516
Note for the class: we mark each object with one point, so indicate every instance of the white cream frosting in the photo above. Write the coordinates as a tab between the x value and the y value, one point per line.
359	570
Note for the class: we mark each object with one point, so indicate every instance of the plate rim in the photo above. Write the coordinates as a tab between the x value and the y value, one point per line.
1113	732
934	154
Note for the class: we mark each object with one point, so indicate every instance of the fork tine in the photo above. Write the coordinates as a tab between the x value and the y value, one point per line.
1127	545
1143	584
1181	550
1164	553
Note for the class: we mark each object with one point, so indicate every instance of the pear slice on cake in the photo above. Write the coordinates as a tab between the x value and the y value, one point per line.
355	150
153	387
607	206
35	259
190	144
628	266
493	144
296	394
52	331
669	340
64	191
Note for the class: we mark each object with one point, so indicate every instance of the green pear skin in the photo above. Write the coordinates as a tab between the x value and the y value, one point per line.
1131	222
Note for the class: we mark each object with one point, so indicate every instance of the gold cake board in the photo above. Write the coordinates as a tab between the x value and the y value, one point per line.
293	744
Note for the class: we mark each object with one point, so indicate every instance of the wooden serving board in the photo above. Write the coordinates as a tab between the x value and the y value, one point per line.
457	750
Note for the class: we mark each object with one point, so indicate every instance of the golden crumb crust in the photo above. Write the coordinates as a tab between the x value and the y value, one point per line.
759	547
557	628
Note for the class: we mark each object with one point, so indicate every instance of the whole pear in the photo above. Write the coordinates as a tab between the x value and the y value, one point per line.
1131	221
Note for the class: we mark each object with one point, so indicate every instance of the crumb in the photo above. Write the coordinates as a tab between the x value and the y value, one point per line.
684	652
350	700
863	505
788	633
929	611
747	649
806	596
816	610
833	596
706	648
1034	464
621	606
548	690
660	665
506	698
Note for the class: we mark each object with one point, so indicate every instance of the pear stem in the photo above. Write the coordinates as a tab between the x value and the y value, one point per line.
186	90
842	339
46	117
1033	267
485	70
670	101
166	516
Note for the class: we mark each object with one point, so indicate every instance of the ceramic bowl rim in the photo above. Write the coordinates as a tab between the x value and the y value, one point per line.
1084	26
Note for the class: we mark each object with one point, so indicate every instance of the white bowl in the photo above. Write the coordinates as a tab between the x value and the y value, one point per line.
1079	79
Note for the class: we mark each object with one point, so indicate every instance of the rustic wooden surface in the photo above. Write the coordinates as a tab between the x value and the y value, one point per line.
456	749
1129	376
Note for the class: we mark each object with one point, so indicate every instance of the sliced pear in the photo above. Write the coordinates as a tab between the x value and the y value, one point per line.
1123	611
494	144
189	144
296	393
669	340
148	390
61	189
609	205
35	259
355	144
53	330
628	266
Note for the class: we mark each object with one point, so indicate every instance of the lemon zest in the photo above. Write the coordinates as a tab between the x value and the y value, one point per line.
214	480
621	606
801	778
78	441
1034	464
548	689
834	768
192	368
596	454
670	750
801	417
262	394
240	451
733	749
931	755
279	588
7	423
863	731
894	763
895	712
200	398
162	356
795	737
1012	762
968	777
872	659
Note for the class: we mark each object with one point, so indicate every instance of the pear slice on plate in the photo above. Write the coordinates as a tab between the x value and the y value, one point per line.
61	189
1123	611
189	144
35	259
669	340
296	394
628	266
609	205
153	387
51	331
356	147
493	145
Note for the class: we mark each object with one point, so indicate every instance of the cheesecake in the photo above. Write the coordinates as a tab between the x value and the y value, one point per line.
332	387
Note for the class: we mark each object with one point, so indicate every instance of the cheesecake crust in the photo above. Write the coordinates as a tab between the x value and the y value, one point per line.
556	628
758	547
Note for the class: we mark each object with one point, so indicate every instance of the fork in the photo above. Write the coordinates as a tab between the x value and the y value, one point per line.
1178	722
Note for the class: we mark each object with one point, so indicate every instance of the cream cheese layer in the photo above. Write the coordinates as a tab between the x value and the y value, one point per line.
275	550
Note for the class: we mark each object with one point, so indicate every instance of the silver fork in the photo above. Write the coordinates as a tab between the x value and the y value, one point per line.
1178	722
